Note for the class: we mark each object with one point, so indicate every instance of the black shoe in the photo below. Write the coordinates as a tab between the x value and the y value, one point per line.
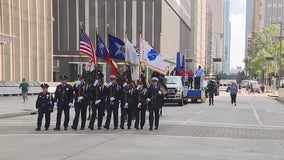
91	128
129	127
46	129
136	127
82	128
99	128
235	104
122	127
209	104
115	128
56	129
141	127
74	128
65	128
150	128
212	104
37	129
106	127
156	128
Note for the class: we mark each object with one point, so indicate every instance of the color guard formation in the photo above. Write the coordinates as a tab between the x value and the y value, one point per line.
105	99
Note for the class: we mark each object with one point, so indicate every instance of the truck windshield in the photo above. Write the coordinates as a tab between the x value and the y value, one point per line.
173	80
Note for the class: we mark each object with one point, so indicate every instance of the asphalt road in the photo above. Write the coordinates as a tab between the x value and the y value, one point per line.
254	129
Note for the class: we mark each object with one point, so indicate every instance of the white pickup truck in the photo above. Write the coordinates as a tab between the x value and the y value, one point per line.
177	92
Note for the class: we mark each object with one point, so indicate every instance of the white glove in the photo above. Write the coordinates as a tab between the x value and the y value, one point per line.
109	84
55	104
124	84
138	87
80	98
148	100
97	101
160	92
126	105
139	105
78	83
112	99
96	82
70	105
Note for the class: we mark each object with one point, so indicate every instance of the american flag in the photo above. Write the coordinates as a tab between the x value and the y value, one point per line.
87	47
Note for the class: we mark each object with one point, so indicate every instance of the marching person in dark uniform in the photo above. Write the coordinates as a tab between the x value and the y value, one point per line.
140	110
63	101
44	104
129	104
99	91
113	95
123	115
81	103
155	100
211	87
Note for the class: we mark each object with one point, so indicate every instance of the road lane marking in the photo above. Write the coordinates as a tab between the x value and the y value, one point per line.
196	114
259	121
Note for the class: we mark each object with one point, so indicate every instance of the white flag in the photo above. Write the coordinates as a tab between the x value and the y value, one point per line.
150	56
130	53
134	72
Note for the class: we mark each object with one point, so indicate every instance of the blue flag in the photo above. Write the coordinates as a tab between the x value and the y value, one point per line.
116	48
178	62
101	50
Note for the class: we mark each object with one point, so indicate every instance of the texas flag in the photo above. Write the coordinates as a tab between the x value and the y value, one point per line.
103	53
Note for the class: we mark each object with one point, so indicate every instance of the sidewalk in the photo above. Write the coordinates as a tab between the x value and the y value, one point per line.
11	106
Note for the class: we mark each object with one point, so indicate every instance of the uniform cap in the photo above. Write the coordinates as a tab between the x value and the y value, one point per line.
100	75
44	85
155	79
112	77
63	77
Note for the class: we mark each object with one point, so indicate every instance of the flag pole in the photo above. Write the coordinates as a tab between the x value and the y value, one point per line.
80	57
96	63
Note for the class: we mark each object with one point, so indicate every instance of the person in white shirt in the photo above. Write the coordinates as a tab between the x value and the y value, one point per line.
198	74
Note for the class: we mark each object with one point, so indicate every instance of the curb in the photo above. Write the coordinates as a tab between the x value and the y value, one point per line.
10	115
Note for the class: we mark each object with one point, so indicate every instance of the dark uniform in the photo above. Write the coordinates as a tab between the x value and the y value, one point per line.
140	109
123	115
64	99
211	91
130	104
113	95
98	104
156	101
81	104
44	104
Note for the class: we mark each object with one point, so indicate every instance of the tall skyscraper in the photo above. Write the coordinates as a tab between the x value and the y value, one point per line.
218	32
198	33
227	36
209	39
29	23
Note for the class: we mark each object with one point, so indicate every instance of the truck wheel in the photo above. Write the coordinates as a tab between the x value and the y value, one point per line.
185	101
180	102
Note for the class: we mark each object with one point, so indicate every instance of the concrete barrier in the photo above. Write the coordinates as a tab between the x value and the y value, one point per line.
281	94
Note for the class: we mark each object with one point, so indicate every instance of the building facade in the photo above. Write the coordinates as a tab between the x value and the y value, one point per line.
227	37
198	34
28	53
217	35
165	24
209	39
272	11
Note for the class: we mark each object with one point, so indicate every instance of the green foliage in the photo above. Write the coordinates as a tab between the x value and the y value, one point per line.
264	51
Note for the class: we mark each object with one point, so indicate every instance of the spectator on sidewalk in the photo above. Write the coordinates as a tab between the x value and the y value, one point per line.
25	87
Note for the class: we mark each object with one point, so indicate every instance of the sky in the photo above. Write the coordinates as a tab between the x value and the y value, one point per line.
238	22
